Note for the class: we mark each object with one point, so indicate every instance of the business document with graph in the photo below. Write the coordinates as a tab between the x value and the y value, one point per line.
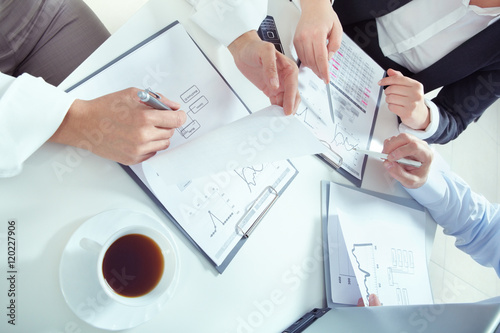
374	248
214	210
355	96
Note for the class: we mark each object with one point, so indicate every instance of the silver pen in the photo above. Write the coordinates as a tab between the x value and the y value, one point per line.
152	99
382	156
330	103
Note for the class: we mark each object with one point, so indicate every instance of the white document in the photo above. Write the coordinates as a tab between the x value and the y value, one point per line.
262	137
215	209
377	247
356	95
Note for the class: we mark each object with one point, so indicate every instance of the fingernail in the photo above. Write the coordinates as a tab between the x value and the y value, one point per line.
330	55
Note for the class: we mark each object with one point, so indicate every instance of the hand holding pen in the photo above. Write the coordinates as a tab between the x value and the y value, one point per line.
119	127
411	148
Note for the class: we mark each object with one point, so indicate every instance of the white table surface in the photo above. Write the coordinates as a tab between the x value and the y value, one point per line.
274	279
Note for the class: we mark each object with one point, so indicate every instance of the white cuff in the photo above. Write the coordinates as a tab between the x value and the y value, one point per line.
431	128
297	4
31	110
228	20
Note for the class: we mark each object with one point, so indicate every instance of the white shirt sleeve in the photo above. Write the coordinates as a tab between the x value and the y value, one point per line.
31	110
431	128
464	214
226	20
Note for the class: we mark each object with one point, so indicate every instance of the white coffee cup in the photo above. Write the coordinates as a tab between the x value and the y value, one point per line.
119	280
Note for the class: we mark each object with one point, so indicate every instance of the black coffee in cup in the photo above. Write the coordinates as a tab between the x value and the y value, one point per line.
133	265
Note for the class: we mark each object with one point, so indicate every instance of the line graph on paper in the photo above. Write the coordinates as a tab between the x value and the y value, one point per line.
355	96
379	279
219	219
363	268
341	137
216	211
250	174
366	263
212	208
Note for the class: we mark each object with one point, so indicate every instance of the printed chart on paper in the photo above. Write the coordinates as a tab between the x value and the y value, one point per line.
212	207
372	251
355	97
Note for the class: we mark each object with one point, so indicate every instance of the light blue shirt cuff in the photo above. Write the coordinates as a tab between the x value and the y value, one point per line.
432	191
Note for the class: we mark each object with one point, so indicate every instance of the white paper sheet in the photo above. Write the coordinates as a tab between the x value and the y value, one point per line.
263	137
345	289
209	208
384	243
355	95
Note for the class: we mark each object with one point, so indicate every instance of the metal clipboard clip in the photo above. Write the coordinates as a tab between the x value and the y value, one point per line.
254	208
332	158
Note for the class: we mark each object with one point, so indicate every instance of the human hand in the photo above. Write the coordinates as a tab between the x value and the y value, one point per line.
270	71
408	146
119	127
318	23
372	301
405	98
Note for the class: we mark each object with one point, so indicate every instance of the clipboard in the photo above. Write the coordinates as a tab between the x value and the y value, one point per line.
251	209
405	206
336	317
245	232
343	114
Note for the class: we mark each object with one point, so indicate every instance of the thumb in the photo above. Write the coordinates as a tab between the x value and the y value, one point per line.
374	300
334	41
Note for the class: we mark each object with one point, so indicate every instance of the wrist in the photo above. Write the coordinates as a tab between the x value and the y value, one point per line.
427	117
312	5
68	131
432	126
240	42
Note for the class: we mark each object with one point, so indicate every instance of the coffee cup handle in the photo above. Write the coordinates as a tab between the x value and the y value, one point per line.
90	245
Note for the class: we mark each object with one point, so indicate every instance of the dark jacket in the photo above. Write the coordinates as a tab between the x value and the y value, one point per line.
469	75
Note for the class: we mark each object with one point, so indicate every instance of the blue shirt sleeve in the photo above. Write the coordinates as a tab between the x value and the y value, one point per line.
464	214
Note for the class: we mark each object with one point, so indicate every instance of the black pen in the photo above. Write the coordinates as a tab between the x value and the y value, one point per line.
152	99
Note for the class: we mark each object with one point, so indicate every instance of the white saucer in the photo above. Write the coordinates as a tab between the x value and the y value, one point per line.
78	276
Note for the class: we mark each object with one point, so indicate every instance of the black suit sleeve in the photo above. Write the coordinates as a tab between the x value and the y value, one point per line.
464	101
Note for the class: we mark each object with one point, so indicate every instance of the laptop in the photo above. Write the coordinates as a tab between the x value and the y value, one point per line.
435	318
